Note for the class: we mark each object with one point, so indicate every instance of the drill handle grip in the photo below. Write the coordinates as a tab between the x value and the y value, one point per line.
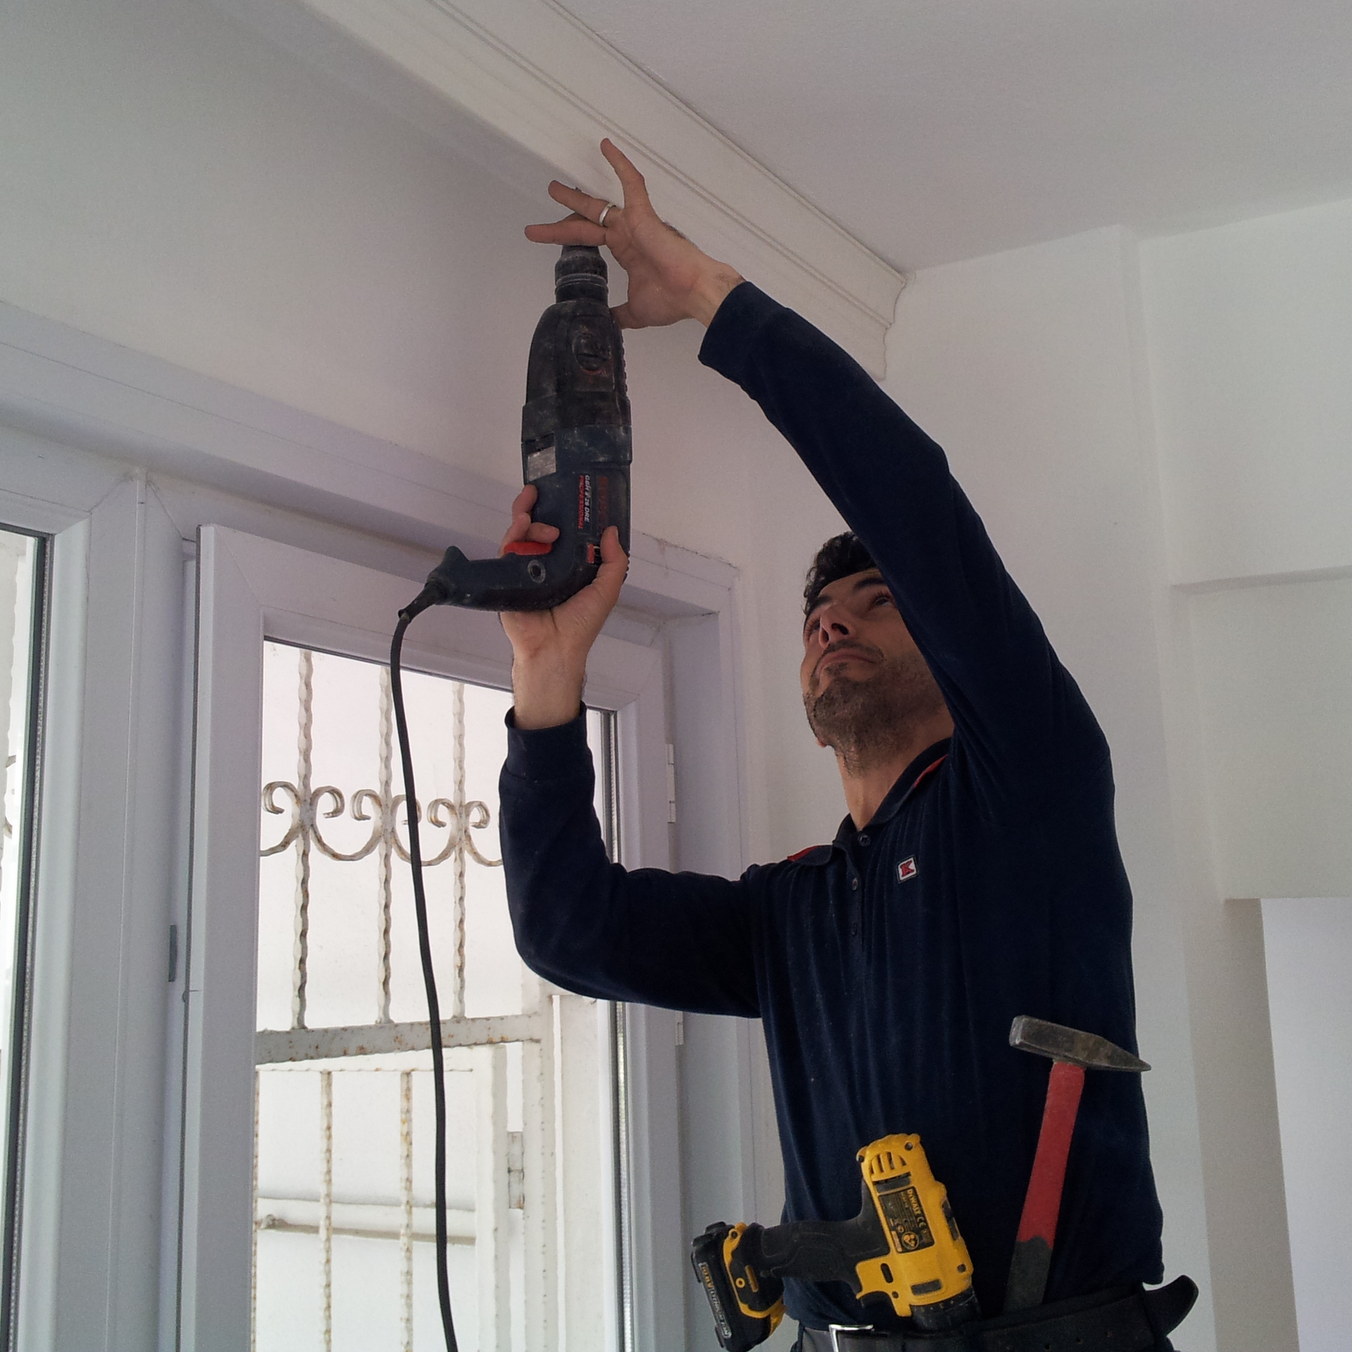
517	581
818	1251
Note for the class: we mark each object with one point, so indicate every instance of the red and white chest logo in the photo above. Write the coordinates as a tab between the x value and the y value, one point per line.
906	869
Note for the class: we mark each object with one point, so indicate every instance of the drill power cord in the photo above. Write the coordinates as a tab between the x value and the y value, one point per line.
429	976
576	450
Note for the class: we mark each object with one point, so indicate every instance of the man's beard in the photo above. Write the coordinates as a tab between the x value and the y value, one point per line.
867	723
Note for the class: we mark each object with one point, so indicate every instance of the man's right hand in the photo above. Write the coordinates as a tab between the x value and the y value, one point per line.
550	647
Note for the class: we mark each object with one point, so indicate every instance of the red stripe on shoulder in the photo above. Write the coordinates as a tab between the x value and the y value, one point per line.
929	769
802	854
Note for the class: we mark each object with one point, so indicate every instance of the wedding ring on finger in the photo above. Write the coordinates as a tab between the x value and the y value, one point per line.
605	211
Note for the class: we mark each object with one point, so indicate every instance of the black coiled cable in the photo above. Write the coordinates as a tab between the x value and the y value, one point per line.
429	976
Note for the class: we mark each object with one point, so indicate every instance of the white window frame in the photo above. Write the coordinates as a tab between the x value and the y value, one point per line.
121	457
251	589
105	858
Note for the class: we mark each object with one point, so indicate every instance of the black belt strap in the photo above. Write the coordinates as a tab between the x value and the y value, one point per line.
1124	1319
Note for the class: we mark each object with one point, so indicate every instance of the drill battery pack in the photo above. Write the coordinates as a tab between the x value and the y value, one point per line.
747	1305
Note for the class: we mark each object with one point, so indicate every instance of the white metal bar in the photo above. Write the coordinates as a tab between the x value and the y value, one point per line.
406	1210
304	764
253	1271
540	1296
326	1201
369	1039
385	851
462	830
492	1249
365	1220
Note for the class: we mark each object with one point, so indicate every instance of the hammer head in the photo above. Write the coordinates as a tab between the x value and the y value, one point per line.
1069	1044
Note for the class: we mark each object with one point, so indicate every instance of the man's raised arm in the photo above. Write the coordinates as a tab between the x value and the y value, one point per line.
587	924
1020	716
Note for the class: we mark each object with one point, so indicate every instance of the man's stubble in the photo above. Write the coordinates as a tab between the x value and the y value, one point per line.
866	723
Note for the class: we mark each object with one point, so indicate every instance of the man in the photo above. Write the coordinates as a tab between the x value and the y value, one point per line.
976	877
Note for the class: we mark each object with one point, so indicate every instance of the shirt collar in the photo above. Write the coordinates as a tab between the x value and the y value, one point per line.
916	773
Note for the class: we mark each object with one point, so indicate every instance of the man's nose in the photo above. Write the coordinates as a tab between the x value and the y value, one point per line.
832	626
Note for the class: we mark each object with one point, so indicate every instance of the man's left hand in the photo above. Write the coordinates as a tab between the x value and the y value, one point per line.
670	279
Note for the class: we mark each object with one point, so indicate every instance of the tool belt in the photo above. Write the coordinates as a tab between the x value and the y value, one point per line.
1121	1319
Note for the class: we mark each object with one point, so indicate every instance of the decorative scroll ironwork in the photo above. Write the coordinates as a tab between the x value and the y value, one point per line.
310	805
369	805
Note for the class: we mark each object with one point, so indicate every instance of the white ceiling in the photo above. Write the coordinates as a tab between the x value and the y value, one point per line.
934	130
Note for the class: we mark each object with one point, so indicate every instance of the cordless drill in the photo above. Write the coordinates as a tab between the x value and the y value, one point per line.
904	1244
576	448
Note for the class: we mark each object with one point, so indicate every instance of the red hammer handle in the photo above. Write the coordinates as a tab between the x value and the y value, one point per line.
1043	1203
1041	1207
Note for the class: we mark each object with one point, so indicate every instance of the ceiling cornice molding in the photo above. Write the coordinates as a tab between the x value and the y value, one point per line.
520	67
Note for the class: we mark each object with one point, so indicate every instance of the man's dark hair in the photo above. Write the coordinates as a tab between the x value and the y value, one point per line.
840	556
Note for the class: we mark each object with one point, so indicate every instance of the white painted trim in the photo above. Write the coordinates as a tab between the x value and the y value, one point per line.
251	588
93	1163
656	1236
215	1207
176	1013
83	391
547	85
49	999
48	518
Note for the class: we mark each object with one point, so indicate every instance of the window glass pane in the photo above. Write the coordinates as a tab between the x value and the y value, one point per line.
343	1158
19	580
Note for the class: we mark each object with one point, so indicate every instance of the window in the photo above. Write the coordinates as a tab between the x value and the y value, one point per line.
343	1256
21	575
307	1132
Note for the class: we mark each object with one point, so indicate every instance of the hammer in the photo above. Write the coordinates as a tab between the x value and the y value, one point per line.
1072	1053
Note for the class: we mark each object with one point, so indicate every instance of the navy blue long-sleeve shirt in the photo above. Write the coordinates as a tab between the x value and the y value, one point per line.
887	966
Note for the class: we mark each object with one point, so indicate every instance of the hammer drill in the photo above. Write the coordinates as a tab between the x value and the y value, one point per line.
576	448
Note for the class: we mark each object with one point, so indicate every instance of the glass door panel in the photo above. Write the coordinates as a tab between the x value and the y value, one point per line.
344	1222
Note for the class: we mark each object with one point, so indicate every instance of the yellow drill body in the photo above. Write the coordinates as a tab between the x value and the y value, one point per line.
904	1244
928	1262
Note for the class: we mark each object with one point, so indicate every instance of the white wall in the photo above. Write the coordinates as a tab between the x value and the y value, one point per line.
174	184
1128	420
1274	680
1309	947
1249	342
1022	366
1250	335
